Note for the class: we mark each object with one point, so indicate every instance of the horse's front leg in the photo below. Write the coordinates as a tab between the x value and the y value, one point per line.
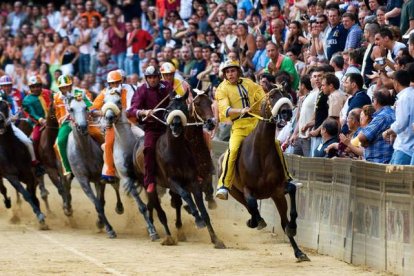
43	191
58	182
198	195
3	190
176	187
119	209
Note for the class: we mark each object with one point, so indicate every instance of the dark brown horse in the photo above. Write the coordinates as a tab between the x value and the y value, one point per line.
259	173
176	169
48	158
15	163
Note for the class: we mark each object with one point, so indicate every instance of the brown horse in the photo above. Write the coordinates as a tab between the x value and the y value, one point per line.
15	163
49	160
176	169
259	173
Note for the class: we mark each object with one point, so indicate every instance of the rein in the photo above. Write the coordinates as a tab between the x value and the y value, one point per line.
194	113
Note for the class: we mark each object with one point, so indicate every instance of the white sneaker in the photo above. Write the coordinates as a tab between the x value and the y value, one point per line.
222	193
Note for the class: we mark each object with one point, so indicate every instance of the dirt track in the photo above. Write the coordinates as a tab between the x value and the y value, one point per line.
74	246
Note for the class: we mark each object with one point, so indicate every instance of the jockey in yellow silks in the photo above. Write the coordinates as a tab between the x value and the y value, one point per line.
236	96
114	80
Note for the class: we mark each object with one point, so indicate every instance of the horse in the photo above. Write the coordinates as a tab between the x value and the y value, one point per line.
123	150
200	115
86	160
176	170
15	164
257	175
49	160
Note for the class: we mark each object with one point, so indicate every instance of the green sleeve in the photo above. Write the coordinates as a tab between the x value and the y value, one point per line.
87	101
289	67
28	107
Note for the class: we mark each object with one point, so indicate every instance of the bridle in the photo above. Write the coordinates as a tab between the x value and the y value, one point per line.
199	121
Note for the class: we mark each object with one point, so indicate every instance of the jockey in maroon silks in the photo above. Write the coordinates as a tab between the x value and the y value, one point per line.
152	95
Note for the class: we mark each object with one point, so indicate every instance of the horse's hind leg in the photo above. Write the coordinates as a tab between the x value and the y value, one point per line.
129	186
86	187
3	190
58	182
30	196
208	189
198	195
176	203
119	209
281	205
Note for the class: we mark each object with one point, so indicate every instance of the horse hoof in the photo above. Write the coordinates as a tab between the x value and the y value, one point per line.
7	203
200	223
111	234
252	223
169	241
181	236
100	224
290	232
303	258
219	244
212	204
68	211
154	236
44	193
119	208
43	226
40	217
262	224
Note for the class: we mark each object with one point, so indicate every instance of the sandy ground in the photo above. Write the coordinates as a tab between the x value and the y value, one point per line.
75	247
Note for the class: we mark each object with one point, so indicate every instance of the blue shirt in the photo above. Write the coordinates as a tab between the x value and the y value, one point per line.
404	121
354	38
260	60
336	40
378	150
359	99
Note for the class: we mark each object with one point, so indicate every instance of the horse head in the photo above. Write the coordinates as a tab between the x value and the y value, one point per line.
112	106
200	109
4	116
177	114
78	112
277	107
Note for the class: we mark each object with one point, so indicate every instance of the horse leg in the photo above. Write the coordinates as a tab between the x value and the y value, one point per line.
67	184
29	195
57	181
176	203
208	189
100	195
175	186
256	221
198	196
43	191
119	209
86	187
3	190
129	186
281	205
154	203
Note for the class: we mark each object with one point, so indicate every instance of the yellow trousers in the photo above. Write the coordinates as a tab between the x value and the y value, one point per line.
239	130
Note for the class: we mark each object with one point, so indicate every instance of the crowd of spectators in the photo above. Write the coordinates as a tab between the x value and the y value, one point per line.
348	64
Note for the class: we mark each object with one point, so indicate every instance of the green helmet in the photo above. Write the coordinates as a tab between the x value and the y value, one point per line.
64	80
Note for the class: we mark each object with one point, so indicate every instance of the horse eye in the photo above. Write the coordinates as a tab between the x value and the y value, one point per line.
71	109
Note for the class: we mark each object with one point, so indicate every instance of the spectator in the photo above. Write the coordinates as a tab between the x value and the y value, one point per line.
329	132
371	53
336	98
198	67
90	13
376	148
116	37
402	128
85	46
68	57
53	17
16	18
407	17
105	65
337	35
354	38
295	37
103	37
337	62
385	39
394	12
381	20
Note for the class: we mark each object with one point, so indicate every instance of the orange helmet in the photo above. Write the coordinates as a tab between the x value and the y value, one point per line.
114	76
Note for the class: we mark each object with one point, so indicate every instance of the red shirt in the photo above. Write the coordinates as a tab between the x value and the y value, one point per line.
141	40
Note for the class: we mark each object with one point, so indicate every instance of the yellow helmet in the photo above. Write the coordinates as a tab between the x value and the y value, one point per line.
64	80
230	63
114	76
167	68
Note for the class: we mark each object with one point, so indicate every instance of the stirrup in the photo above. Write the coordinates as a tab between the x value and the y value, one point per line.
108	178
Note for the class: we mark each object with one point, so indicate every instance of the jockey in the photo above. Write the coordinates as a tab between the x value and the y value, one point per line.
114	80
154	94
15	97
236	96
179	85
36	104
60	101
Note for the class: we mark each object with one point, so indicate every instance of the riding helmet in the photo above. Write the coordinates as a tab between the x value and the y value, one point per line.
64	80
230	63
167	68
114	76
35	79
151	71
6	80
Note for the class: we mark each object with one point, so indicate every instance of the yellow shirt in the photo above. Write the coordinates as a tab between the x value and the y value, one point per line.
245	94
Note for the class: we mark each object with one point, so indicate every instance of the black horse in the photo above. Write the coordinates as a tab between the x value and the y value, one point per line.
15	163
176	169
